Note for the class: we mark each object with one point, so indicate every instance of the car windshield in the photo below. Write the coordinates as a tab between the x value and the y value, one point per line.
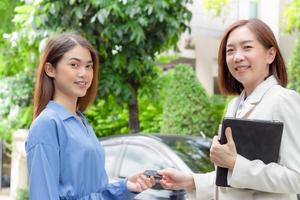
194	151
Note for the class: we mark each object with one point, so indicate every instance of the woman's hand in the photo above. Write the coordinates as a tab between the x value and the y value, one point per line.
139	182
224	155
176	180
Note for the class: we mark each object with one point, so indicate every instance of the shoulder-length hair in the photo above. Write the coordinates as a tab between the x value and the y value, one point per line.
227	83
55	48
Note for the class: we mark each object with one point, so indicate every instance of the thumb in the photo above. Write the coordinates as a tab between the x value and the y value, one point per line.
229	137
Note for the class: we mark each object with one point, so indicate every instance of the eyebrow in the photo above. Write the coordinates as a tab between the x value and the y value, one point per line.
243	42
77	59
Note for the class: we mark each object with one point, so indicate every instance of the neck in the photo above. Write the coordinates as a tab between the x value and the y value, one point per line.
67	102
251	87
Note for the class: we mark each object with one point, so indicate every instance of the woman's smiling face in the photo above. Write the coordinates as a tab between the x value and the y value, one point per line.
247	59
73	74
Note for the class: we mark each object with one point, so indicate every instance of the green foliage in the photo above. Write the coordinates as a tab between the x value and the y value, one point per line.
107	117
6	15
22	194
218	103
215	6
16	58
128	34
13	57
294	68
15	102
187	109
292	16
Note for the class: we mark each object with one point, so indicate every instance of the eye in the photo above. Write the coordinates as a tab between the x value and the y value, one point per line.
229	50
90	66
247	47
75	65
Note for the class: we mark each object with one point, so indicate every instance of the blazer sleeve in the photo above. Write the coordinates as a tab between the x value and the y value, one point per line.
205	185
284	176
43	161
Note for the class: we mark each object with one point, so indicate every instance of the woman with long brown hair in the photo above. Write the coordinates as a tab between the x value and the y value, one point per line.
65	158
251	66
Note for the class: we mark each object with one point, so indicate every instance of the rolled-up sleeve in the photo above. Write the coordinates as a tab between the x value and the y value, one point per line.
118	190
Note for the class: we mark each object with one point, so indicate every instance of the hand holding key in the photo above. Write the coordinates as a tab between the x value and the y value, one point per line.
153	173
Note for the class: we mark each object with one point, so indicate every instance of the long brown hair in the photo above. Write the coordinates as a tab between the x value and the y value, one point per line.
227	83
55	48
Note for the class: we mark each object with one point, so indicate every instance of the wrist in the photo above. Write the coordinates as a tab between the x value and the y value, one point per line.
190	183
232	163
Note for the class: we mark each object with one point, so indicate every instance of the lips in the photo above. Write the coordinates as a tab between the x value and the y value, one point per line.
241	68
81	83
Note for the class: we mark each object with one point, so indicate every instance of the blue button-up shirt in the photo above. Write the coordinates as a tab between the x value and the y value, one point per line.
66	160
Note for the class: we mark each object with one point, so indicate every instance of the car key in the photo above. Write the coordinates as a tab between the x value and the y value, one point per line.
153	173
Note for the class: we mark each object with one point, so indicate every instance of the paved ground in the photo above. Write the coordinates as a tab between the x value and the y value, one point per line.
4	194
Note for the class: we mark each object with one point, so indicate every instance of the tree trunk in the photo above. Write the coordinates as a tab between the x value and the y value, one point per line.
134	123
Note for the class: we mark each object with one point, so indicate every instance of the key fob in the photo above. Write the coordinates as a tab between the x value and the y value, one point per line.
153	173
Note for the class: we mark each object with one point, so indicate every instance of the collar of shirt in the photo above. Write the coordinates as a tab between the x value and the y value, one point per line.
256	95
62	112
259	91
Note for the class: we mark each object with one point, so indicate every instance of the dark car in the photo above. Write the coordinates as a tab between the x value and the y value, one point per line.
128	154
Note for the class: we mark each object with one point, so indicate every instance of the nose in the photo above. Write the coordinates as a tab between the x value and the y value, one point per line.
238	56
83	71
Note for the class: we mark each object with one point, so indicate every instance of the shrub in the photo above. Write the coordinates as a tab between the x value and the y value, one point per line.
187	108
15	102
294	68
107	117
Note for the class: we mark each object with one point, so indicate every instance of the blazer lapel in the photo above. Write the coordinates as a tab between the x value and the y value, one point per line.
248	108
256	96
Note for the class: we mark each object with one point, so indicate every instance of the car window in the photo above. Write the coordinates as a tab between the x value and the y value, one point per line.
111	156
140	158
195	153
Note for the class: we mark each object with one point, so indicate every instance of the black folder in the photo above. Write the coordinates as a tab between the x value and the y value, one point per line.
254	139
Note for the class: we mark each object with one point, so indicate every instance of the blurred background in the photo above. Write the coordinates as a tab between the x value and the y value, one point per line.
158	64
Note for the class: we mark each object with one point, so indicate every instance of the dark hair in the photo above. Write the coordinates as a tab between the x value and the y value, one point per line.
56	47
227	83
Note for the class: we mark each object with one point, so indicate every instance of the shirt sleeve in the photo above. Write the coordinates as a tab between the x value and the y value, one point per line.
205	185
117	191
43	162
281	177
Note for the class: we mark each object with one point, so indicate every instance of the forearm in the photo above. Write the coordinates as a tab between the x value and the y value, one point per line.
268	178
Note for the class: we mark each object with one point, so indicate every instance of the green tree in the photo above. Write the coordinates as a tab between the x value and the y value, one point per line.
187	108
215	6
292	17
292	24
128	35
294	68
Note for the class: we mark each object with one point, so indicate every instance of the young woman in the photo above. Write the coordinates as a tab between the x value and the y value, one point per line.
251	65
65	158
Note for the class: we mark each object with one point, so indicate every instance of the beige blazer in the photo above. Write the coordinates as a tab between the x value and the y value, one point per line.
274	181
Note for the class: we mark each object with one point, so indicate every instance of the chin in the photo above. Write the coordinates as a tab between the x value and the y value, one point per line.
81	94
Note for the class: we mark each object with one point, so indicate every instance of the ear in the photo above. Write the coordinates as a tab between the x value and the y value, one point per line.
50	70
271	53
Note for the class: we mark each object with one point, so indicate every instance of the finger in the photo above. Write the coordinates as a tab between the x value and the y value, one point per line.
228	134
215	141
152	181
166	172
215	144
142	183
149	181
165	184
138	187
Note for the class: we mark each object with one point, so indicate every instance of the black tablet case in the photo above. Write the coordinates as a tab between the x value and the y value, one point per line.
254	139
